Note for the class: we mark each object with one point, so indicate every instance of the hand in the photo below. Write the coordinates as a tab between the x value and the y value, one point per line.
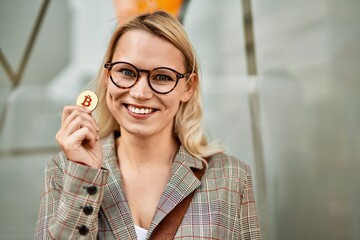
78	136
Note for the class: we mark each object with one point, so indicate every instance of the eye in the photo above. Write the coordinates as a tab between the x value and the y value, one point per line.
163	78
127	72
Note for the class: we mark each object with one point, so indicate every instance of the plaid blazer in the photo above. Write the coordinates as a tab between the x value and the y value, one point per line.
79	202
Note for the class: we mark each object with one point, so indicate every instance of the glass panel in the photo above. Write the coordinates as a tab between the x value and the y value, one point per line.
308	55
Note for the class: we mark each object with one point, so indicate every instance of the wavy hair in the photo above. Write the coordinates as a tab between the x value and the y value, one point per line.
188	120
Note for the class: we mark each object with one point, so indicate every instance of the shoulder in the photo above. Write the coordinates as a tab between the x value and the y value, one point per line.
222	165
227	162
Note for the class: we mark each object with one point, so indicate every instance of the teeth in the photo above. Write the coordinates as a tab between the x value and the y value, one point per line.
140	110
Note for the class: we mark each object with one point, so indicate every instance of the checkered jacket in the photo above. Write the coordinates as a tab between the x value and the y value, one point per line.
79	202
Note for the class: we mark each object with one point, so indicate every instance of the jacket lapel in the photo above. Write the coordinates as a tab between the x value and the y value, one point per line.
182	182
114	204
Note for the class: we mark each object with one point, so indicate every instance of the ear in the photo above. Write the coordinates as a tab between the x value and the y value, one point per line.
189	87
106	78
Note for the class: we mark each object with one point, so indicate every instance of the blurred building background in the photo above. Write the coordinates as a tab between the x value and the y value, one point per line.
303	142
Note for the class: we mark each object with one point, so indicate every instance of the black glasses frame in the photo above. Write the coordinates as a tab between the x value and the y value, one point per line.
110	65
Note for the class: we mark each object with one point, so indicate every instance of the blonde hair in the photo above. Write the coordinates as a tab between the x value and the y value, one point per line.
187	122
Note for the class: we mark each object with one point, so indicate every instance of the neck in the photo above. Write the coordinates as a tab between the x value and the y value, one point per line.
137	152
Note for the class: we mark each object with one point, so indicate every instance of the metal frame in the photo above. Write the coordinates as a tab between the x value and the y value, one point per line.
16	77
255	116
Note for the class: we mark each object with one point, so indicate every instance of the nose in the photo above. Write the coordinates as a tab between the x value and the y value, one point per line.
141	90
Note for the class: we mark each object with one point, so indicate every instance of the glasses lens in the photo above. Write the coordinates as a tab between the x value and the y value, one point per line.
124	75
163	80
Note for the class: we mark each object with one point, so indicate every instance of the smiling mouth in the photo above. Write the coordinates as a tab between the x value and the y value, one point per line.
138	110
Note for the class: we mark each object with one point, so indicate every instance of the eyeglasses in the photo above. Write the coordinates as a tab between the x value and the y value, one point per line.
161	80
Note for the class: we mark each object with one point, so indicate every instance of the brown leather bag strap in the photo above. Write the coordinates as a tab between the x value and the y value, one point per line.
168	227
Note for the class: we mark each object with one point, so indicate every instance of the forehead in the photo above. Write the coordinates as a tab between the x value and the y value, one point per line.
147	50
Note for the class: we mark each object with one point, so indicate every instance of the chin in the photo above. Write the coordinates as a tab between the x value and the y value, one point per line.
144	133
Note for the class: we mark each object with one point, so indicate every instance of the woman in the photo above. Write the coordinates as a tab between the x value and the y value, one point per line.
149	123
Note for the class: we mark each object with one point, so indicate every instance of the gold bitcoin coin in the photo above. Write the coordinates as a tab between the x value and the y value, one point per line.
87	99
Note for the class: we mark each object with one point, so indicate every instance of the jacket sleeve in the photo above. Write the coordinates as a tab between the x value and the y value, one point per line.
249	221
71	200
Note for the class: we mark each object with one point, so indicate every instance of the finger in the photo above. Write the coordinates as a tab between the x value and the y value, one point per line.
83	137
89	138
80	122
69	110
76	118
89	143
86	115
75	113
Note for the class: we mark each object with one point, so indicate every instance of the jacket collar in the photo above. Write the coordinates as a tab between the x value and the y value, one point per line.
181	183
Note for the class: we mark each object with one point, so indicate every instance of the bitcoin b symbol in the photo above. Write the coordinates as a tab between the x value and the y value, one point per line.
87	101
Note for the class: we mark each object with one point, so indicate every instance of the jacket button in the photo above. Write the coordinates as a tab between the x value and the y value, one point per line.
91	190
88	210
83	230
